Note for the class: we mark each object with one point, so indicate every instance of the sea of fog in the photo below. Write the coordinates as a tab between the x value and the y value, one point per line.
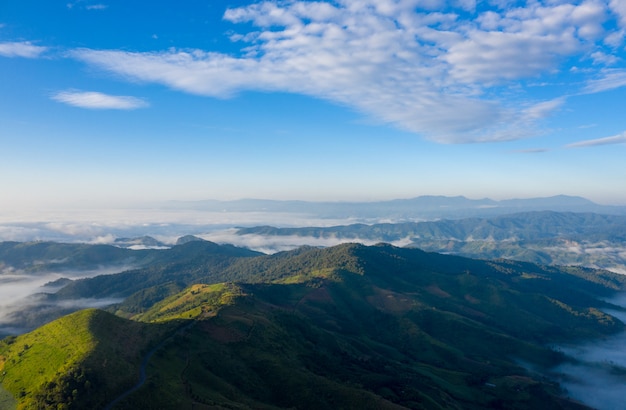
105	225
599	376
23	301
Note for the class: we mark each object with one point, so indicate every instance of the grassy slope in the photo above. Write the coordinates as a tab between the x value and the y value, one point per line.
84	358
196	301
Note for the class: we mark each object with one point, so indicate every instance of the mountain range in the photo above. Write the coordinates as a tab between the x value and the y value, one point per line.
204	325
547	237
419	208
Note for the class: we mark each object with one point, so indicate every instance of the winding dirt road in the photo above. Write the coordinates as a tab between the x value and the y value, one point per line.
144	364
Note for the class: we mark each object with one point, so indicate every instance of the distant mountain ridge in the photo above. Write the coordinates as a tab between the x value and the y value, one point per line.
520	226
548	237
423	207
156	225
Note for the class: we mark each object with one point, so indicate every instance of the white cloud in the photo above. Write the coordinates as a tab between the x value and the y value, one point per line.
602	58
402	62
522	42
619	8
23	49
615	39
98	101
615	139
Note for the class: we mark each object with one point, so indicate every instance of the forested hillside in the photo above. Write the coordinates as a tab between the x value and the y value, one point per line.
349	326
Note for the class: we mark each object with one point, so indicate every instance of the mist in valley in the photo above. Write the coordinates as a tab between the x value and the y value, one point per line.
277	243
24	297
104	226
597	374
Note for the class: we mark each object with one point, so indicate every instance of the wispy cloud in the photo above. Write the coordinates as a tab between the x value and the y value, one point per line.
531	151
615	139
97	7
98	101
24	49
607	80
82	5
420	69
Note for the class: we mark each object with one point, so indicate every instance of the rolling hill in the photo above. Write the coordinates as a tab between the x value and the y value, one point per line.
349	326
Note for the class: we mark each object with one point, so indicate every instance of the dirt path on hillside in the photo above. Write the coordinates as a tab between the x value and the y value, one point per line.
7	401
144	364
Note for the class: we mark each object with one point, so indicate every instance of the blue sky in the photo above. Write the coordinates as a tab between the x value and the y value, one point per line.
115	102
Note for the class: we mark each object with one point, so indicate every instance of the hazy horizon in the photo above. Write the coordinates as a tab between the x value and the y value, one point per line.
217	221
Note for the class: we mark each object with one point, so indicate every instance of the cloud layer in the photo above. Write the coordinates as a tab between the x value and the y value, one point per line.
442	72
453	72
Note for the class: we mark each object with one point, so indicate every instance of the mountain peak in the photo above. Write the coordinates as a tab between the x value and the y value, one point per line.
188	238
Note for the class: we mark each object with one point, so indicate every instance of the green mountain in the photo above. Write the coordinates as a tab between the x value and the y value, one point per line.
175	269
46	256
350	326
